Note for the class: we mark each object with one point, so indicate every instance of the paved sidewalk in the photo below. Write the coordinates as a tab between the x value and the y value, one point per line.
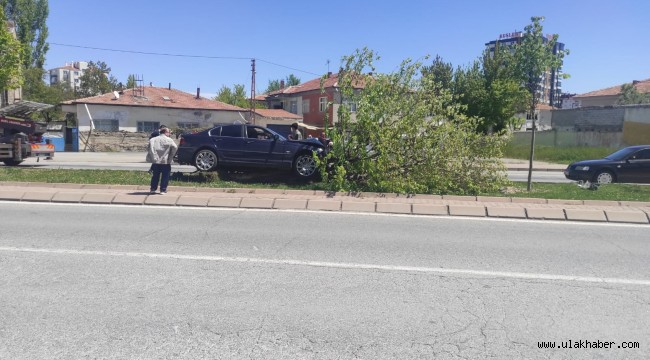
426	205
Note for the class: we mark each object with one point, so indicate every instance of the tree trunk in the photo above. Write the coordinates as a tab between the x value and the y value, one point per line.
532	153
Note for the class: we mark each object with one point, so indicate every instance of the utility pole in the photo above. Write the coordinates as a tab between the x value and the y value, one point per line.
253	91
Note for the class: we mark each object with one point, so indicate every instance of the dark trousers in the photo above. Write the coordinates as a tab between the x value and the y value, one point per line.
160	173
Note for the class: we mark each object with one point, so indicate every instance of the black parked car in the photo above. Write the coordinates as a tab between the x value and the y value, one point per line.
248	146
628	165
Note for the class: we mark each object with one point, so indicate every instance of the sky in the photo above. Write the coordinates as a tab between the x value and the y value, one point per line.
210	43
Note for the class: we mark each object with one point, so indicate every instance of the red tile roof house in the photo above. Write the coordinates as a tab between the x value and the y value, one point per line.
307	100
145	109
609	96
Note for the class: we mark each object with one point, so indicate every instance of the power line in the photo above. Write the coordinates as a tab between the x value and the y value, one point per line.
181	55
152	53
290	68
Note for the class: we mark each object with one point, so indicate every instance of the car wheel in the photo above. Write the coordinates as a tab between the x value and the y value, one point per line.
12	162
604	177
205	160
304	166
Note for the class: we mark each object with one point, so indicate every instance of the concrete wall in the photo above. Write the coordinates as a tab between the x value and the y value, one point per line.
556	138
589	119
615	126
100	141
636	129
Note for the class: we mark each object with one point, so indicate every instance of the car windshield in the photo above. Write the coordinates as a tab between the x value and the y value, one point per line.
621	154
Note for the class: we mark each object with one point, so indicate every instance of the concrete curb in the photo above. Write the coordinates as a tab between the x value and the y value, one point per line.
465	206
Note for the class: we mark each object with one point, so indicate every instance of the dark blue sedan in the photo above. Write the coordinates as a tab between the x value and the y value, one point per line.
628	165
248	146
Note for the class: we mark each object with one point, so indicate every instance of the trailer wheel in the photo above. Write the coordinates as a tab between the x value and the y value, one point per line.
12	162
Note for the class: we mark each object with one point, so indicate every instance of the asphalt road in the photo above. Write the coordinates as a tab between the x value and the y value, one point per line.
135	282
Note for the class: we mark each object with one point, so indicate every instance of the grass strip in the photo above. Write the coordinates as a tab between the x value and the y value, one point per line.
560	155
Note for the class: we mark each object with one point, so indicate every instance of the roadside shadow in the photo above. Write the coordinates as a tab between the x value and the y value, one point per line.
140	193
270	177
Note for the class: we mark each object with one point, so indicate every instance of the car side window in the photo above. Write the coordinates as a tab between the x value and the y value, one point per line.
216	131
257	133
231	131
251	132
641	155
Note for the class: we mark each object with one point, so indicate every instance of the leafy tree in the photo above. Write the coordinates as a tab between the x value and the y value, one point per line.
292	80
440	71
533	57
469	89
10	61
235	96
31	28
96	80
504	95
630	95
53	94
488	88
274	85
408	136
130	82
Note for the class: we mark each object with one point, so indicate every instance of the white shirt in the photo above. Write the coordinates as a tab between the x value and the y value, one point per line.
161	150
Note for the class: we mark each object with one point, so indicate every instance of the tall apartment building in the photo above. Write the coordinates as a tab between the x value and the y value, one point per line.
69	73
550	84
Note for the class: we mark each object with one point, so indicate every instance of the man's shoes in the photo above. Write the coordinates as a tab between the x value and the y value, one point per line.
163	192
152	192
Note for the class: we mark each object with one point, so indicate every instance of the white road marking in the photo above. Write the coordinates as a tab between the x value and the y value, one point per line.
396	268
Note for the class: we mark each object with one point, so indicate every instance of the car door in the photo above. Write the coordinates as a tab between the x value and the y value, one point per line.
637	167
260	147
229	142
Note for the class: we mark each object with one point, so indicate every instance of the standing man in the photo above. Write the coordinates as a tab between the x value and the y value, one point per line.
161	153
153	135
295	133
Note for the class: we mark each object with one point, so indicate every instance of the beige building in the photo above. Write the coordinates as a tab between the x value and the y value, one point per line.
144	109
605	97
69	74
543	114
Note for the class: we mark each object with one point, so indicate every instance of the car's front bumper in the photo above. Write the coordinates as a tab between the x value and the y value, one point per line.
578	175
